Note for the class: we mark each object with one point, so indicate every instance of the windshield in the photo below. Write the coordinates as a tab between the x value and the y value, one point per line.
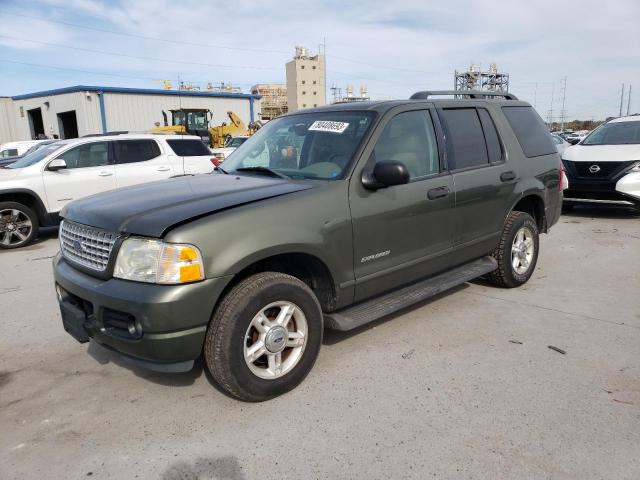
235	142
36	156
313	145
616	133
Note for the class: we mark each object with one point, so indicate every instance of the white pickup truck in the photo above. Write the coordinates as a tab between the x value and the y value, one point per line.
34	189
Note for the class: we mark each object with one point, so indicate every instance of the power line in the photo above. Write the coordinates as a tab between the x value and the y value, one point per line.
137	57
143	37
57	67
195	44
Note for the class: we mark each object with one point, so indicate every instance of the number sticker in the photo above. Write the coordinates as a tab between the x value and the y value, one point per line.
328	126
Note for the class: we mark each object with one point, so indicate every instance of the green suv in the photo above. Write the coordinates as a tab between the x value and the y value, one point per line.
326	218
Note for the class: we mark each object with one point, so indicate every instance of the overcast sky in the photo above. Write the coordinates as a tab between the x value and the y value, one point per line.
394	47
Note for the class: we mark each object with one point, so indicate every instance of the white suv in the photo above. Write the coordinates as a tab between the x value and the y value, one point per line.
605	166
34	189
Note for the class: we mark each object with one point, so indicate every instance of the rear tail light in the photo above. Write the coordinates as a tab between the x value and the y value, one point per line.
561	176
215	161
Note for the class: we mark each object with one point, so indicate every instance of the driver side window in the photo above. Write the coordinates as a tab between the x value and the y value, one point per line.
410	138
87	155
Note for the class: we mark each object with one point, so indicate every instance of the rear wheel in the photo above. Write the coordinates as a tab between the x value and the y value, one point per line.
517	251
18	225
264	336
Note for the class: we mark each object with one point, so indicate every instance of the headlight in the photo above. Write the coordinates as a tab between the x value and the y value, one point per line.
154	261
635	168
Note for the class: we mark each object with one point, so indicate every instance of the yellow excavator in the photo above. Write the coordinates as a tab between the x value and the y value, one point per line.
195	121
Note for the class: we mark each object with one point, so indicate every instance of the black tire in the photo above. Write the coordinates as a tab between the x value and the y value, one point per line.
5	224
506	275
224	343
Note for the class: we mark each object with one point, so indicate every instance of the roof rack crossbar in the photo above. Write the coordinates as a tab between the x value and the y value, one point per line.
467	93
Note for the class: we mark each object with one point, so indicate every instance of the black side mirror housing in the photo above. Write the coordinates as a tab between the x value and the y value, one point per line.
573	141
386	173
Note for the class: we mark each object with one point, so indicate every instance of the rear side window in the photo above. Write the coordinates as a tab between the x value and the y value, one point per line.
465	139
12	152
491	136
131	151
188	148
530	130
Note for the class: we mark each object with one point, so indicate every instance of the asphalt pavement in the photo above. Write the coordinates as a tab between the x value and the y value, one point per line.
463	386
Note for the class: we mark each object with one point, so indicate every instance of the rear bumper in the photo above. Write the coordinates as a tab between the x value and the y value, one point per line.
169	321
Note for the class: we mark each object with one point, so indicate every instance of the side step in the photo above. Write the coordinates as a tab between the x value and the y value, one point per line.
378	307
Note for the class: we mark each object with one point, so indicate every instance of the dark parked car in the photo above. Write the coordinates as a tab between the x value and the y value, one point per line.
328	217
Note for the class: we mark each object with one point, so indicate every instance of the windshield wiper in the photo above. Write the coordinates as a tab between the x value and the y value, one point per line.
219	168
261	169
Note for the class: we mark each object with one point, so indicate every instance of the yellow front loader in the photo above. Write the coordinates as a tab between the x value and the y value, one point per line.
196	122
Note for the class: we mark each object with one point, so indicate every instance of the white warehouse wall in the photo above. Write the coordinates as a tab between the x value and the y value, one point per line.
125	111
85	104
7	122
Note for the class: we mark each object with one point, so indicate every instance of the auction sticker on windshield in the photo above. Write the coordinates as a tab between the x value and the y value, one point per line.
328	126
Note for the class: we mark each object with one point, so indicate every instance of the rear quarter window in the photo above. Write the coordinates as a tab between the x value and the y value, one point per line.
131	151
530	130
188	148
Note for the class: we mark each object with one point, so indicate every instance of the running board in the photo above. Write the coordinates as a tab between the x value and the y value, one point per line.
370	310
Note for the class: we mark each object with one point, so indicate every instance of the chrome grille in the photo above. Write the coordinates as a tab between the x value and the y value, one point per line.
86	246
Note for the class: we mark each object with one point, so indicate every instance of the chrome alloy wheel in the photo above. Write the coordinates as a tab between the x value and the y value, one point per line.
275	340
522	251
15	227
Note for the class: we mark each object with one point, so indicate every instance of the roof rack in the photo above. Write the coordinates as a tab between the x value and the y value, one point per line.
466	93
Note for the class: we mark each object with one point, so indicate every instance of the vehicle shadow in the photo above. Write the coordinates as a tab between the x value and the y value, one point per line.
332	337
602	211
183	379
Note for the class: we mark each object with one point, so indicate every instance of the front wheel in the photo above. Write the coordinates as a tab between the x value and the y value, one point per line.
264	336
18	225
517	251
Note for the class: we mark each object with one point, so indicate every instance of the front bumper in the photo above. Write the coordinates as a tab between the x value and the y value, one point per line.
169	321
620	187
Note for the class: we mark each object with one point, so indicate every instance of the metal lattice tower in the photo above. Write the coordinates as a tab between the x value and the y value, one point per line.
475	79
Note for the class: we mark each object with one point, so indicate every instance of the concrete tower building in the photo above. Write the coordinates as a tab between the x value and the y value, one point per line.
305	81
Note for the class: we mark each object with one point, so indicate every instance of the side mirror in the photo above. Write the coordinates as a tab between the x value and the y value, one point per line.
57	164
386	174
573	141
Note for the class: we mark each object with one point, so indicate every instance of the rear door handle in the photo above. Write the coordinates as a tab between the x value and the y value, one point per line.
163	169
507	176
105	174
438	193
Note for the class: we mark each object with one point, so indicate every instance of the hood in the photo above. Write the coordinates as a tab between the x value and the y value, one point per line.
7	173
602	153
153	208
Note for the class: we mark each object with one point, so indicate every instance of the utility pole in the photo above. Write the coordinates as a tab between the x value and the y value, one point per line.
621	100
563	112
535	96
550	113
629	100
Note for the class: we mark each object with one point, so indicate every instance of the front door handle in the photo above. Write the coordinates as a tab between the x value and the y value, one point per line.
163	169
438	193
507	176
105	174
